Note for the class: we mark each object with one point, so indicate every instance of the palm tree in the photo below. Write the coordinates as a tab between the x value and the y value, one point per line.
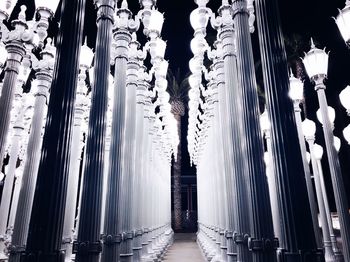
178	91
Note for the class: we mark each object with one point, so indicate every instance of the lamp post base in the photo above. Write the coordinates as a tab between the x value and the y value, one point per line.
43	257
312	256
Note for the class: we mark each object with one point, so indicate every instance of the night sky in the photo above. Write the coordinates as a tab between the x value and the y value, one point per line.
306	18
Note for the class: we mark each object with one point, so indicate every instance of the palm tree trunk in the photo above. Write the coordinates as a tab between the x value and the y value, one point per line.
177	180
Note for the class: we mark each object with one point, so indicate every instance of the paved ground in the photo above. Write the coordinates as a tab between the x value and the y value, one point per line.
184	249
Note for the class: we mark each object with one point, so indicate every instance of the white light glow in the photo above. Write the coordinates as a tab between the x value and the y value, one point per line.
344	97
316	62
309	128
331	115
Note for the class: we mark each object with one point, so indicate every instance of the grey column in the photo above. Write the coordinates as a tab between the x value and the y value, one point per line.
272	187
336	174
338	254
128	175
74	167
261	240
139	186
88	245
224	145
15	51
46	223
310	190
16	140
112	226
236	187
44	70
296	237
8	185
327	245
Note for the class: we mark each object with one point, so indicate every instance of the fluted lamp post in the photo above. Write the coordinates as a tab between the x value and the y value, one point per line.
343	22
85	60
309	130
265	126
17	42
316	64
318	153
296	94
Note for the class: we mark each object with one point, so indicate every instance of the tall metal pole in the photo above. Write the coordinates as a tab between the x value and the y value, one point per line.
271	179
327	245
139	186
310	190
261	242
17	140
334	166
74	165
46	223
239	218
112	236
296	237
337	252
128	164
44	70
16	51
88	245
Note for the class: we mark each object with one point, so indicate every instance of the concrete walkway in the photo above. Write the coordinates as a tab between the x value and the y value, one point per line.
184	249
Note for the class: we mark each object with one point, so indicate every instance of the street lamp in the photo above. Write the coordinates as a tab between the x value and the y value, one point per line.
19	44
316	64
343	22
309	129
6	8
46	10
265	126
318	153
296	94
344	98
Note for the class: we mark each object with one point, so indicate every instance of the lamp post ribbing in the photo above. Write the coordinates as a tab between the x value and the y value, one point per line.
327	245
15	51
44	70
88	245
112	236
288	167
311	194
46	223
261	229
334	165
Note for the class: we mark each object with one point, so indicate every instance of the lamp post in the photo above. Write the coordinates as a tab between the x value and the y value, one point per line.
49	198
16	136
316	63
296	94
261	229
343	22
113	237
88	246
309	129
44	69
318	153
17	42
271	180
85	60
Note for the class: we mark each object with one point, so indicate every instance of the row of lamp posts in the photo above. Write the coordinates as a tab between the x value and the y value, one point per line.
221	133
103	184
